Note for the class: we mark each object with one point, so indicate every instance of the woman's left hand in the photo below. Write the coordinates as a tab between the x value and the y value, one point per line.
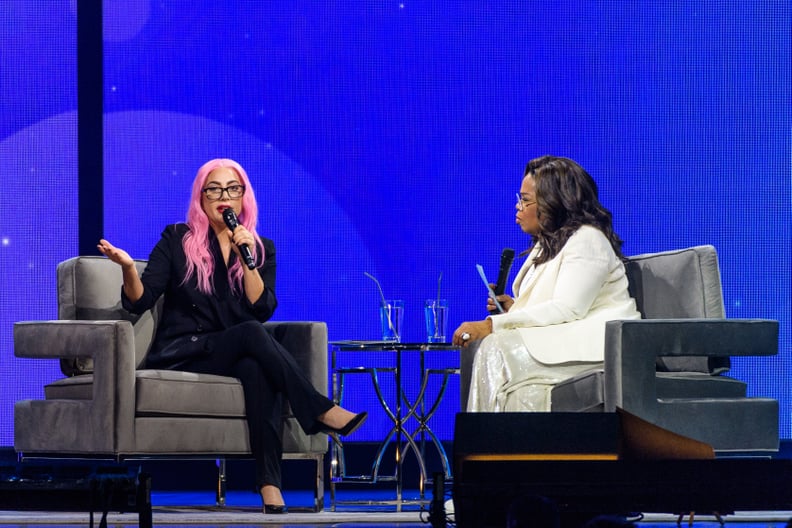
473	330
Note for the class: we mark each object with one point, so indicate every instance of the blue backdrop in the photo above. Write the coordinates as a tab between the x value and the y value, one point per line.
390	138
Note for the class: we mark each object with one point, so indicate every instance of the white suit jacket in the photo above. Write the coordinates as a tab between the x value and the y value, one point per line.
561	310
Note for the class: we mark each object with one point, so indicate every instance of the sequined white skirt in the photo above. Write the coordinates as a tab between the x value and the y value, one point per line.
506	378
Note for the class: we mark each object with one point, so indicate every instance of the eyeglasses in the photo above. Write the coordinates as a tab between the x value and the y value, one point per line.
522	203
215	193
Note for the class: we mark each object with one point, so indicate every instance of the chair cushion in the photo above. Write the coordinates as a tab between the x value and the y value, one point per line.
78	387
582	393
698	385
586	391
174	392
166	393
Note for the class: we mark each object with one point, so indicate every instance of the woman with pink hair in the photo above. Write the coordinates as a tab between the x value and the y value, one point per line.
219	286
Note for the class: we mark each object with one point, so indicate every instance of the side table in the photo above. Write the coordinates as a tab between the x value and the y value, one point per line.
399	410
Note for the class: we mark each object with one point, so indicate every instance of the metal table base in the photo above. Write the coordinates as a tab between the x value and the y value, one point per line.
399	412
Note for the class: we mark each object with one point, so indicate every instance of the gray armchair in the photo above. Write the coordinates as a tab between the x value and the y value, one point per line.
108	407
668	368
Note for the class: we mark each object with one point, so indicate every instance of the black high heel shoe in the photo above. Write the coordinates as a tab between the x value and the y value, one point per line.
350	427
272	509
275	510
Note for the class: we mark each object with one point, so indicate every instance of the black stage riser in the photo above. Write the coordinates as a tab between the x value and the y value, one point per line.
573	464
484	492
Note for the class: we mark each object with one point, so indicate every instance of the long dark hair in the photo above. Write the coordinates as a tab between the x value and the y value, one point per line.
566	198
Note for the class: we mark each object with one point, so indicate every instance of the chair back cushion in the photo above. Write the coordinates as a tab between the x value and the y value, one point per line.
677	284
684	283
89	288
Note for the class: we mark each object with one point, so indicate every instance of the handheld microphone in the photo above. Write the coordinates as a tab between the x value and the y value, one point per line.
230	219
507	257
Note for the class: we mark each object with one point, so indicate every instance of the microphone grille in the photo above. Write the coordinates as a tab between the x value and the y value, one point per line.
230	218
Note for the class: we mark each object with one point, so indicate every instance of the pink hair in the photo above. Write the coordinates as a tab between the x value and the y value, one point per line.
196	241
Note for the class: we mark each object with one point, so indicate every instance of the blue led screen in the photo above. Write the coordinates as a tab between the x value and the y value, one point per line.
38	155
390	138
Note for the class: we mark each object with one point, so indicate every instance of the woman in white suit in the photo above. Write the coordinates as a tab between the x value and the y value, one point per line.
572	282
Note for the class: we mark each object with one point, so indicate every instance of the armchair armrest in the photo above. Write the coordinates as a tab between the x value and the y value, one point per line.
66	339
88	426
631	348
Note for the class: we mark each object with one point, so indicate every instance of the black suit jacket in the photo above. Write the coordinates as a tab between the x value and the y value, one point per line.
190	316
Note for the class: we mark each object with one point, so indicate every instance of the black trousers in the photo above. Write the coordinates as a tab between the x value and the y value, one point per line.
268	373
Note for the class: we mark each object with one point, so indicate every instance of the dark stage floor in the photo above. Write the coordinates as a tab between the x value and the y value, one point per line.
180	509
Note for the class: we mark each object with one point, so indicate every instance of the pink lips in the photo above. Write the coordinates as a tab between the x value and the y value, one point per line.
222	208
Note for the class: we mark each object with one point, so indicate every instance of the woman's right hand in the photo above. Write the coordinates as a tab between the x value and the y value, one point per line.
133	287
117	255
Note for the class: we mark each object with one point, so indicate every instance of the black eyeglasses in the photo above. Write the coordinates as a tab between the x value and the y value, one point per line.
215	192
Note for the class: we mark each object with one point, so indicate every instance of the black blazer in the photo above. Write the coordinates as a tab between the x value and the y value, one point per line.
188	315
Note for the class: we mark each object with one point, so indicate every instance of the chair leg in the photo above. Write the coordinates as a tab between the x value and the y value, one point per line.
319	484
220	495
143	499
220	492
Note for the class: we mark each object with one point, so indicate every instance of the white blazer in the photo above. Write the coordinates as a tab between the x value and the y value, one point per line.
560	309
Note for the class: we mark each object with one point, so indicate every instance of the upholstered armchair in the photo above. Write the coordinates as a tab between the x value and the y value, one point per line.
669	367
109	407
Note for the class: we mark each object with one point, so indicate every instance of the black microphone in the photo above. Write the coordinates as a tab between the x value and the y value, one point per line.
230	218
507	257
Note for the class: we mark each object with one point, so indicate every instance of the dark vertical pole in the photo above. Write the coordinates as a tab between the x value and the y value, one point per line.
90	112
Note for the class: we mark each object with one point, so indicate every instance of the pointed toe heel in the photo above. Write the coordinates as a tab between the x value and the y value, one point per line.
350	427
275	510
